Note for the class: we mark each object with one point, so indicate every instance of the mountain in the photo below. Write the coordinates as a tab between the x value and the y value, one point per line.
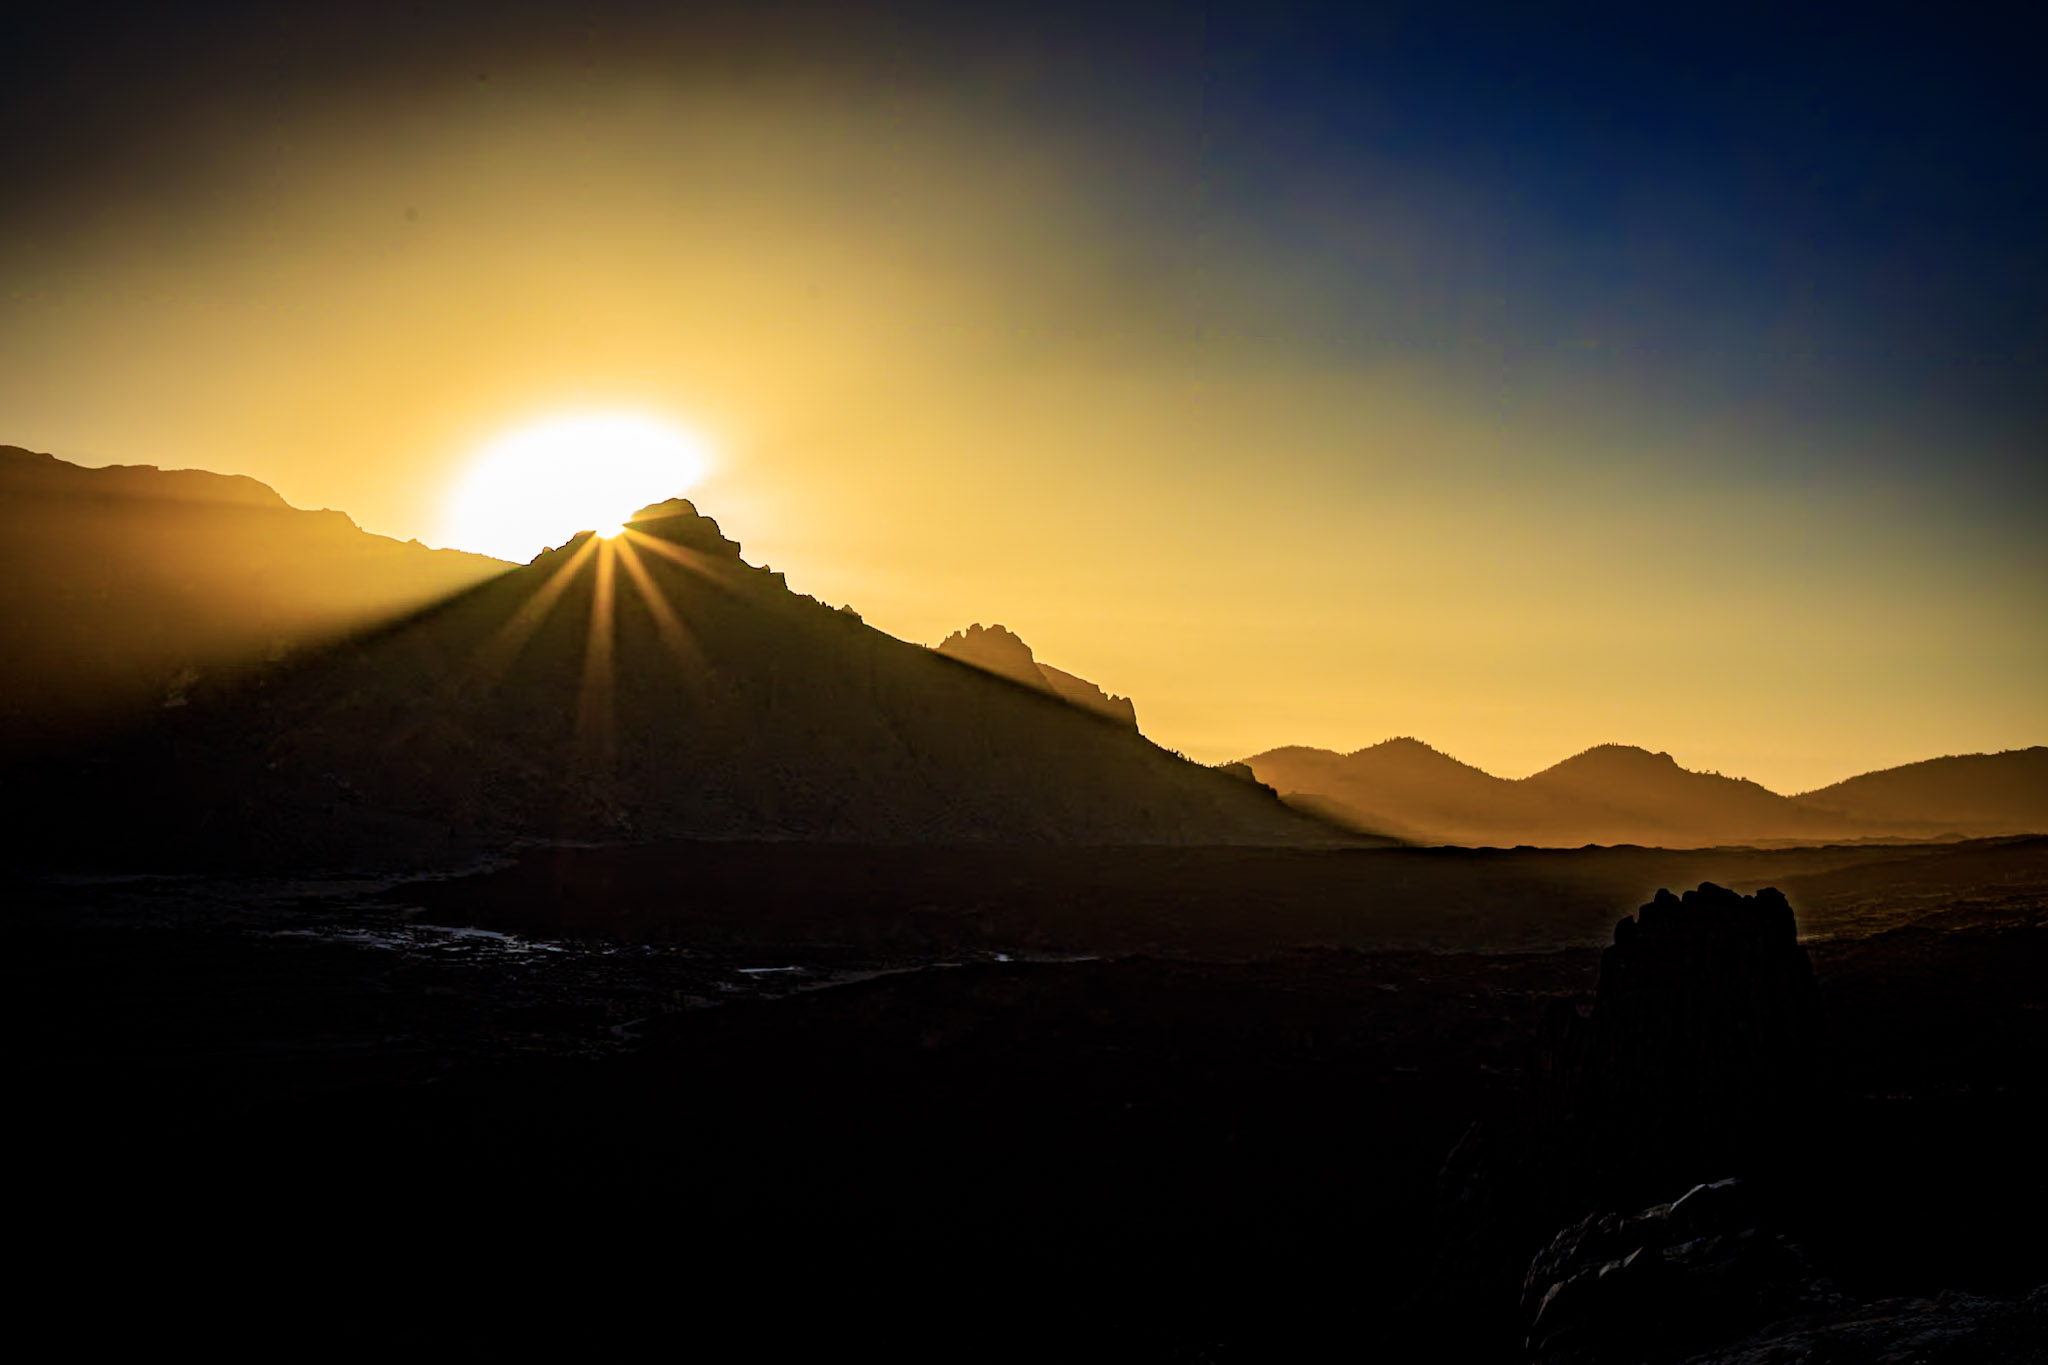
1000	651
1400	787
1618	794
121	586
1975	794
652	687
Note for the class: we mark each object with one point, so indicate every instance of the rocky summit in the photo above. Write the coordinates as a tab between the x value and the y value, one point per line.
995	649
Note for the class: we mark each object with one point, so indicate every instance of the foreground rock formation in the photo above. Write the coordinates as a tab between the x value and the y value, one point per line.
1616	1288
1706	1279
1696	1076
1701	1050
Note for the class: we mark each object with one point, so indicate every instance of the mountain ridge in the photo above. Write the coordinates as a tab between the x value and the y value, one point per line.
122	585
650	688
1614	793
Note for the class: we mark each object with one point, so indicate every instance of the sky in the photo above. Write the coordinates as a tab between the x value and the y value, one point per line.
1517	378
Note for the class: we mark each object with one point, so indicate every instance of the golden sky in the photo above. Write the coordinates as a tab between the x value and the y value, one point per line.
951	370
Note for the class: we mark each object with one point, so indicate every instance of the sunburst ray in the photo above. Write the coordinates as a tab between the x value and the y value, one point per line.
667	622
596	695
496	654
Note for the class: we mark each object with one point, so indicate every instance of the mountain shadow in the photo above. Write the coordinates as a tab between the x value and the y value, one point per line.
651	687
122	587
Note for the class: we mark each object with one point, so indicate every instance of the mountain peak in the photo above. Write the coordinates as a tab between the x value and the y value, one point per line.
1400	746
678	521
1618	758
996	650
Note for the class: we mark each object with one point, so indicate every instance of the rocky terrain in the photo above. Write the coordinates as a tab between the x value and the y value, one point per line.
1112	1133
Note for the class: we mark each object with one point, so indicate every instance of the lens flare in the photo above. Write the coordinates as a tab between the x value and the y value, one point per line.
539	484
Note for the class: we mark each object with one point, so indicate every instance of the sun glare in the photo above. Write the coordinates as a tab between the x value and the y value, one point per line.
539	484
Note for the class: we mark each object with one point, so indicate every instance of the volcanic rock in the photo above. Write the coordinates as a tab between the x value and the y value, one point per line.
1701	1049
1698	1269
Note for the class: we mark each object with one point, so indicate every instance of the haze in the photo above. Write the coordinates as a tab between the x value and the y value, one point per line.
1291	421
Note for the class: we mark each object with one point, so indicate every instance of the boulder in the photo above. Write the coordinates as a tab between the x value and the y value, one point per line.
1701	1268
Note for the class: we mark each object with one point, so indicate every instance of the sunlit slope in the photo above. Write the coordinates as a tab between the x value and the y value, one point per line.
121	587
657	686
1610	794
1978	794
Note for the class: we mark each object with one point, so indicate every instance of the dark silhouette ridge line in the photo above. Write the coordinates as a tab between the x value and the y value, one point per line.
1600	809
189	486
550	704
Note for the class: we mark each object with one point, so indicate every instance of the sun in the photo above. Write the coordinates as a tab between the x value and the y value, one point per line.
538	484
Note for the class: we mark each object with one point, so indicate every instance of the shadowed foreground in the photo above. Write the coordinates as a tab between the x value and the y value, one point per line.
1190	1152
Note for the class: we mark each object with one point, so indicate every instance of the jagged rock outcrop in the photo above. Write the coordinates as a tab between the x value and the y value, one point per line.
995	649
1702	1044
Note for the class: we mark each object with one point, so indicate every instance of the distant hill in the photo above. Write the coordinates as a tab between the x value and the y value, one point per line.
1000	651
1400	787
652	687
121	586
1978	794
1617	794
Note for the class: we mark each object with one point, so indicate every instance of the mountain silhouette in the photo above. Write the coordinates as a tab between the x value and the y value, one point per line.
1974	794
1000	651
652	687
121	587
1619	794
1399	787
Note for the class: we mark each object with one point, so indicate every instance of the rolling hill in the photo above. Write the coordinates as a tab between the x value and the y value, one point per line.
1618	794
1978	794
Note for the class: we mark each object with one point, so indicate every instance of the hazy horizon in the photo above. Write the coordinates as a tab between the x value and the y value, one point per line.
1494	384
